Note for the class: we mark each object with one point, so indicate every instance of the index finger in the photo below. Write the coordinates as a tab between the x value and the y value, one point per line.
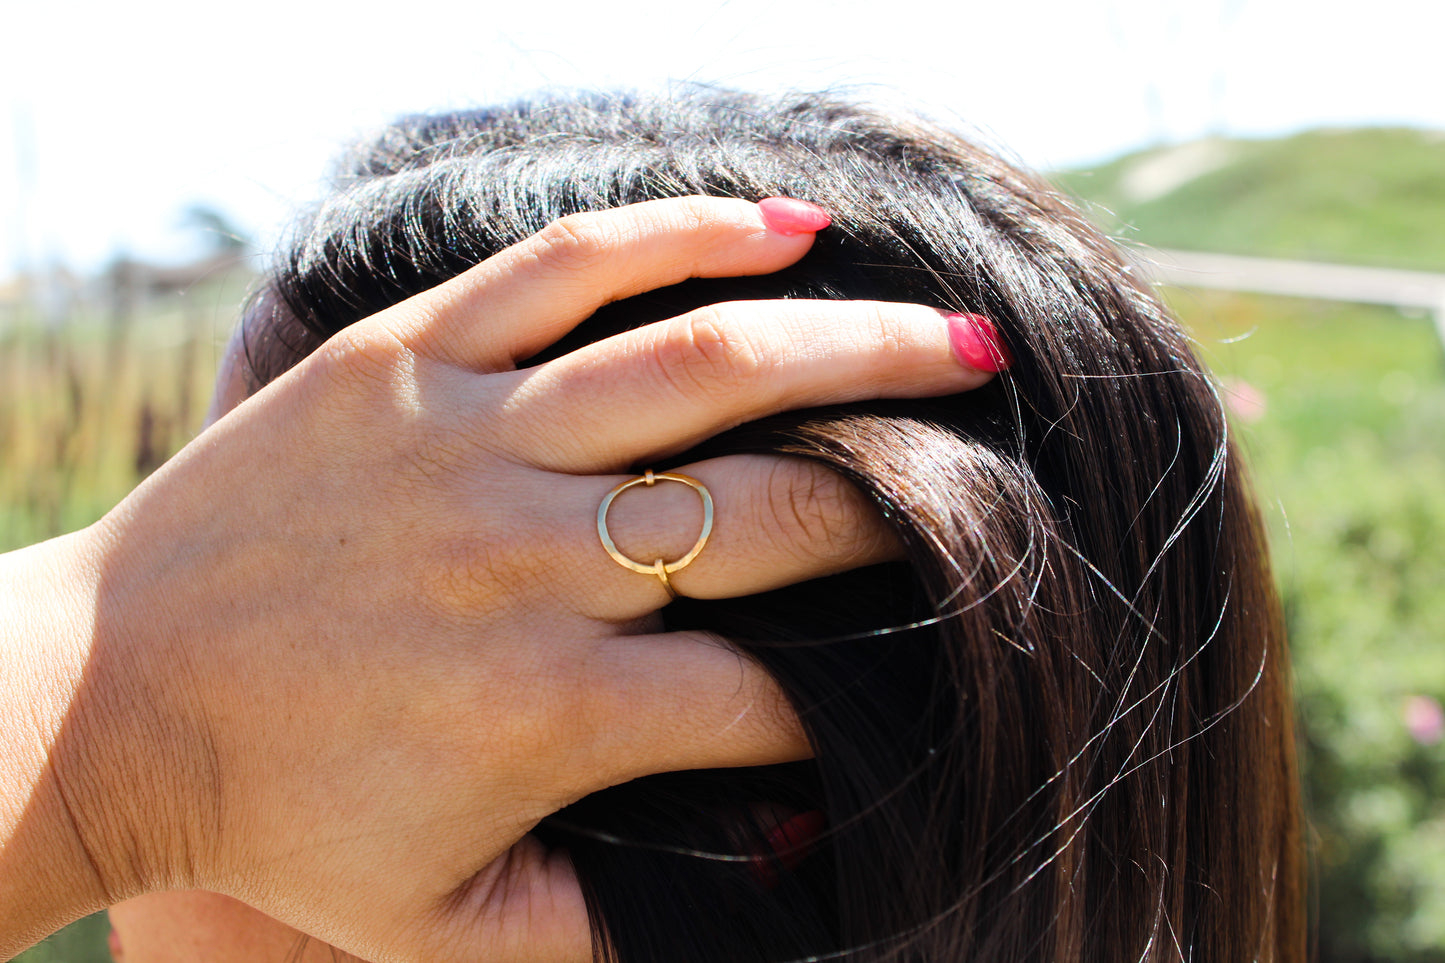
521	300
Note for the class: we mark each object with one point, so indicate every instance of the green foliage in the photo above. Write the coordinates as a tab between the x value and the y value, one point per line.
1350	458
1372	196
81	942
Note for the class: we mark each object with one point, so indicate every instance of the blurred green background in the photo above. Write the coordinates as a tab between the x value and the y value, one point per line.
1341	409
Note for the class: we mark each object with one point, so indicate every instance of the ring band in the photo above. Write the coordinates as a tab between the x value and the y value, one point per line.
658	568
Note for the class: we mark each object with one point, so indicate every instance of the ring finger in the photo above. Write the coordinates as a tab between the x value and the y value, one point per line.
777	521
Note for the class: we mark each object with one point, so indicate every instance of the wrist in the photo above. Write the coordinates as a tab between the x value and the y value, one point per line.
47	874
91	743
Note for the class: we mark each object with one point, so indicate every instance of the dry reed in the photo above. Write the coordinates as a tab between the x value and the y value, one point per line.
94	401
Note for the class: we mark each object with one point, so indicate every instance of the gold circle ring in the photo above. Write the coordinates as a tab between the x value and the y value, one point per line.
658	567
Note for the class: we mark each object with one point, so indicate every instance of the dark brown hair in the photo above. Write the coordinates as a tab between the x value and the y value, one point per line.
1061	729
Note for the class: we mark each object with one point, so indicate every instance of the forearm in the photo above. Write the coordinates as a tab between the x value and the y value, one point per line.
47	877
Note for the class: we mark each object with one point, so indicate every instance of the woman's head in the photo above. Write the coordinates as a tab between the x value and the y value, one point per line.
1059	730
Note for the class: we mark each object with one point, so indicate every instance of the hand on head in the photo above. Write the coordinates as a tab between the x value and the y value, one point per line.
366	668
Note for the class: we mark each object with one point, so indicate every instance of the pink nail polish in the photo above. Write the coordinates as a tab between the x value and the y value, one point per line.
790	841
793	839
789	216
976	343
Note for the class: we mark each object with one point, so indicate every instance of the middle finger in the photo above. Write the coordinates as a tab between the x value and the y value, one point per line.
660	389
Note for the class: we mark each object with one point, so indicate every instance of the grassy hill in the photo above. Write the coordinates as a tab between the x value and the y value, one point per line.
1366	196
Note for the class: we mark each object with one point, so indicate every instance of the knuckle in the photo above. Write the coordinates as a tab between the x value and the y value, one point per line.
465	576
551	699
696	215
700	229
562	710
701	353
481	572
363	354
820	515
578	242
352	347
360	373
891	338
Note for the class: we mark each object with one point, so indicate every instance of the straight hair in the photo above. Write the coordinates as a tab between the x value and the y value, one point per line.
1060	729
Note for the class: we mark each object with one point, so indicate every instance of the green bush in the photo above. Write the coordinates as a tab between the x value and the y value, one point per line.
1350	455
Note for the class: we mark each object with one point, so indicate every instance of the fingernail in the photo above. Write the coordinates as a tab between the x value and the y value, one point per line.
789	216
790	841
976	343
793	839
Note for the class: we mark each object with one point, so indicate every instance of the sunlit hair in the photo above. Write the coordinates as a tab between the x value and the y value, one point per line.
1060	730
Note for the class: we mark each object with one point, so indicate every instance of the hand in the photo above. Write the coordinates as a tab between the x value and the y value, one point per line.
359	637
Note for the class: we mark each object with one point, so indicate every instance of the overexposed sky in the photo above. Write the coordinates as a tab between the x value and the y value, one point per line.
120	115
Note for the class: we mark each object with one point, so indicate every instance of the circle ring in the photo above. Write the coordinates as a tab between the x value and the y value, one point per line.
659	568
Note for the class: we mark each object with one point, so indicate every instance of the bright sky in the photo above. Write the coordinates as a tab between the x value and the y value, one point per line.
120	115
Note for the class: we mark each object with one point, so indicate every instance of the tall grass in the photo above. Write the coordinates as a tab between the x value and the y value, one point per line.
92	403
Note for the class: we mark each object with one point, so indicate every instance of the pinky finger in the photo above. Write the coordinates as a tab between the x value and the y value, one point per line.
685	700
